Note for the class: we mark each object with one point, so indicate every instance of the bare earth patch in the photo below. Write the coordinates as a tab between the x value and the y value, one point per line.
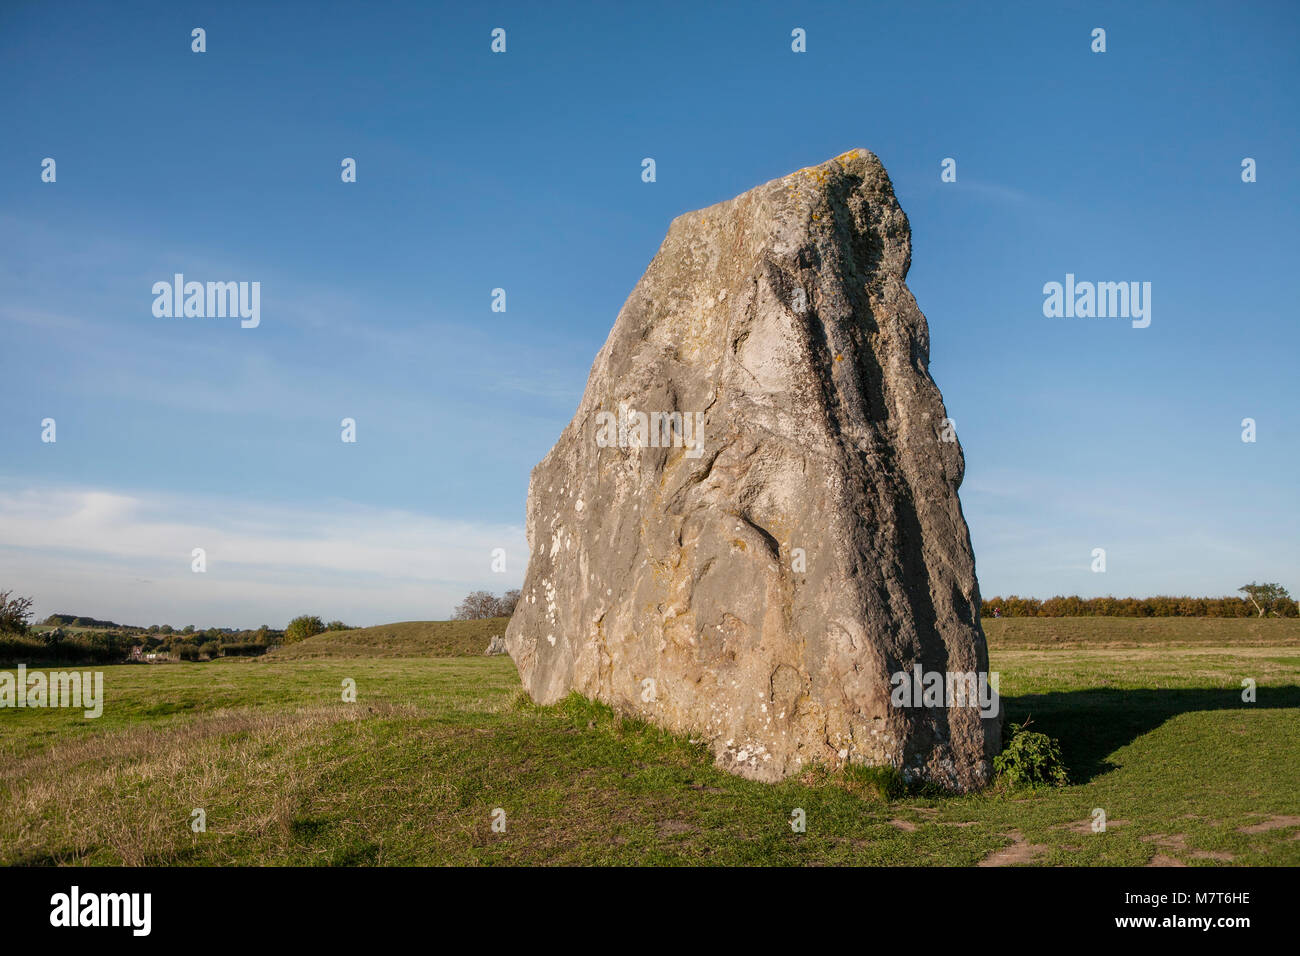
1220	855
1177	842
1085	826
1018	852
1272	823
1167	841
675	828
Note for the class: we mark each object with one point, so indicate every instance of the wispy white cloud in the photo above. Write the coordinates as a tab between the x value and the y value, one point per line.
127	556
998	192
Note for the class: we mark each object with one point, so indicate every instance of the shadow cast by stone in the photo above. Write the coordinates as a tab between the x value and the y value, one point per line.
1092	724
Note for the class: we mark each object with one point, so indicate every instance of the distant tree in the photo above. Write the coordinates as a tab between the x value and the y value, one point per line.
188	629
15	613
483	604
1265	597
302	627
476	606
507	603
337	626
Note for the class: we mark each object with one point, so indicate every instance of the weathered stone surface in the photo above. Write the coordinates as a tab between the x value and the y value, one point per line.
667	581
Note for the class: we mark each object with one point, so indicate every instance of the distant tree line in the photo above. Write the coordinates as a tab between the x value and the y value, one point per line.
191	644
19	643
72	620
105	642
1261	601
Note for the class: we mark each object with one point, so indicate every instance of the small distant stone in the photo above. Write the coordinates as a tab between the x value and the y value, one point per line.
497	645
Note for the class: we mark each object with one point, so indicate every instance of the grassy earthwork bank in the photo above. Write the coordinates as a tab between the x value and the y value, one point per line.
1149	713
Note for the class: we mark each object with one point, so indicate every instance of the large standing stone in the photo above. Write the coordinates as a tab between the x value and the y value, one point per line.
757	582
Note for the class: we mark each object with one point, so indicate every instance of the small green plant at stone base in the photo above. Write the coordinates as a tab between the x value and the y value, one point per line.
882	781
1030	759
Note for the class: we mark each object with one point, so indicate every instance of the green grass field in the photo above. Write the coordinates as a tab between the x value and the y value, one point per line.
1153	729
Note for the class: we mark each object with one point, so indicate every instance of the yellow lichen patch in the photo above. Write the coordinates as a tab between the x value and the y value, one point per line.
839	358
662	572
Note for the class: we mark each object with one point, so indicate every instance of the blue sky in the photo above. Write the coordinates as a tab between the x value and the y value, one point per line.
522	171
